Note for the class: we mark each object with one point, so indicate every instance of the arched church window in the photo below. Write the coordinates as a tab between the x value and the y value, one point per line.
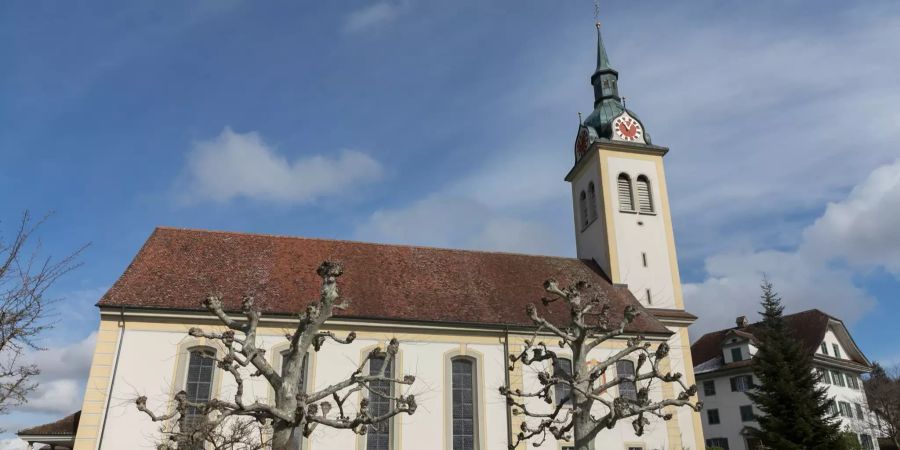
198	383
625	372
592	202
464	399
582	206
645	200
379	435
626	196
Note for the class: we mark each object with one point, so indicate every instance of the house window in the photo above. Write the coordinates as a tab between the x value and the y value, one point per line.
866	441
852	380
824	348
379	435
741	383
712	416
747	413
645	200
464	401
859	411
709	387
563	370
592	202
627	389
837	350
824	374
634	447
297	433
717	442
846	410
582	204
198	384
736	354
626	197
837	378
833	408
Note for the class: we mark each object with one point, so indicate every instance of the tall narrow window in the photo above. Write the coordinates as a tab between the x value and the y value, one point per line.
736	354
582	206
837	350
198	384
379	435
626	197
645	200
627	389
563	370
824	348
463	410
592	202
297	433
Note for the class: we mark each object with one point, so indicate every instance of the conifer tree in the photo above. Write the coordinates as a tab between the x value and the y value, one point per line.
796	410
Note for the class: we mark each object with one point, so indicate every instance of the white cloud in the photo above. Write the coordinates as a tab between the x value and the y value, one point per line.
64	371
235	165
863	229
12	444
446	221
371	16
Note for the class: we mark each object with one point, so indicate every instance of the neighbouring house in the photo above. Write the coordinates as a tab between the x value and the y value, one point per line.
457	314
723	367
52	436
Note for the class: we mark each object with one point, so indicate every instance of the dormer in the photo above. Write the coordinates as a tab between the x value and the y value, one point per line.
738	346
836	343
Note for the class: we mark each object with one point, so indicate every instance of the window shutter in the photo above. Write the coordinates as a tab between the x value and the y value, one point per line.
626	198
645	201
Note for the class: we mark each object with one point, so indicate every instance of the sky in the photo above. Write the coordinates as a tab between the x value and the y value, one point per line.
451	124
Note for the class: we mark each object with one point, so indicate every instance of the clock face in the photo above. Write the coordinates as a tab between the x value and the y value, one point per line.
581	143
626	128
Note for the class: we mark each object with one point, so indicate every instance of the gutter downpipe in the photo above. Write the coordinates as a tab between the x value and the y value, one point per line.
506	379
112	380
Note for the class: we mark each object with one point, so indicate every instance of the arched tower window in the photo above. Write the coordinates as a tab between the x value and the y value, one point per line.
626	196
645	199
582	206
592	202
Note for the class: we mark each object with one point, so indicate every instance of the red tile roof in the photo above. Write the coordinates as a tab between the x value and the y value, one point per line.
177	268
63	427
808	327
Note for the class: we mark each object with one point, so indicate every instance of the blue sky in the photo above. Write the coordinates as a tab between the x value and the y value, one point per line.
452	124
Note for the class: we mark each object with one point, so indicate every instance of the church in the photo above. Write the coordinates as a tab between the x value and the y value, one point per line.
443	306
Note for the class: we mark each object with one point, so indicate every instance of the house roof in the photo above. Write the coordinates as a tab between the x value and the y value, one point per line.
63	427
808	327
177	268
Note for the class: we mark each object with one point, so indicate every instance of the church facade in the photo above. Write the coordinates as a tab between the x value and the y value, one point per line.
444	306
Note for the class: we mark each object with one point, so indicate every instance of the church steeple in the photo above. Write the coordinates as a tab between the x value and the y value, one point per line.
605	78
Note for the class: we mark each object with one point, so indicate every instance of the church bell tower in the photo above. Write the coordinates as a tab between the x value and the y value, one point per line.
622	216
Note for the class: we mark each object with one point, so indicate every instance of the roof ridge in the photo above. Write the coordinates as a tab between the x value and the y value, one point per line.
351	241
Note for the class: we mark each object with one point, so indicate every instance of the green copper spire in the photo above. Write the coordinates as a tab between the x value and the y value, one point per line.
602	58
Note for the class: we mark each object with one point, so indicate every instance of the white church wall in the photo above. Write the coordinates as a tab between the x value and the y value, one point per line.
590	242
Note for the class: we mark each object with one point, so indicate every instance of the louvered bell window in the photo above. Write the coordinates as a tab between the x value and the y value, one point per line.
626	197
379	435
645	200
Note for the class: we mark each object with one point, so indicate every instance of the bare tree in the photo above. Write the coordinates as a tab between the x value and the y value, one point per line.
883	396
293	410
25	310
590	405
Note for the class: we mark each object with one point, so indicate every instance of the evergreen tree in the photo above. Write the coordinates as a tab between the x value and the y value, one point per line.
796	410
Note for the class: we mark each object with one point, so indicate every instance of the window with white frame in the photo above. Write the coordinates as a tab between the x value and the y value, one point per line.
741	383
866	442
845	409
626	196
824	375
837	378
712	416
736	354
645	198
709	387
824	348
837	350
463	404
852	380
747	413
717	442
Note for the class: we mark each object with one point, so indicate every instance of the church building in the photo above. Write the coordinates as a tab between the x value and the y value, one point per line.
453	311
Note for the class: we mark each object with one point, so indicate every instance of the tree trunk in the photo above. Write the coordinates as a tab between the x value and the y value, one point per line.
583	426
281	437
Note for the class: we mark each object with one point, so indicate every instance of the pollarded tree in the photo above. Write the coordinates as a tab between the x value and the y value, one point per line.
883	394
591	405
293	411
